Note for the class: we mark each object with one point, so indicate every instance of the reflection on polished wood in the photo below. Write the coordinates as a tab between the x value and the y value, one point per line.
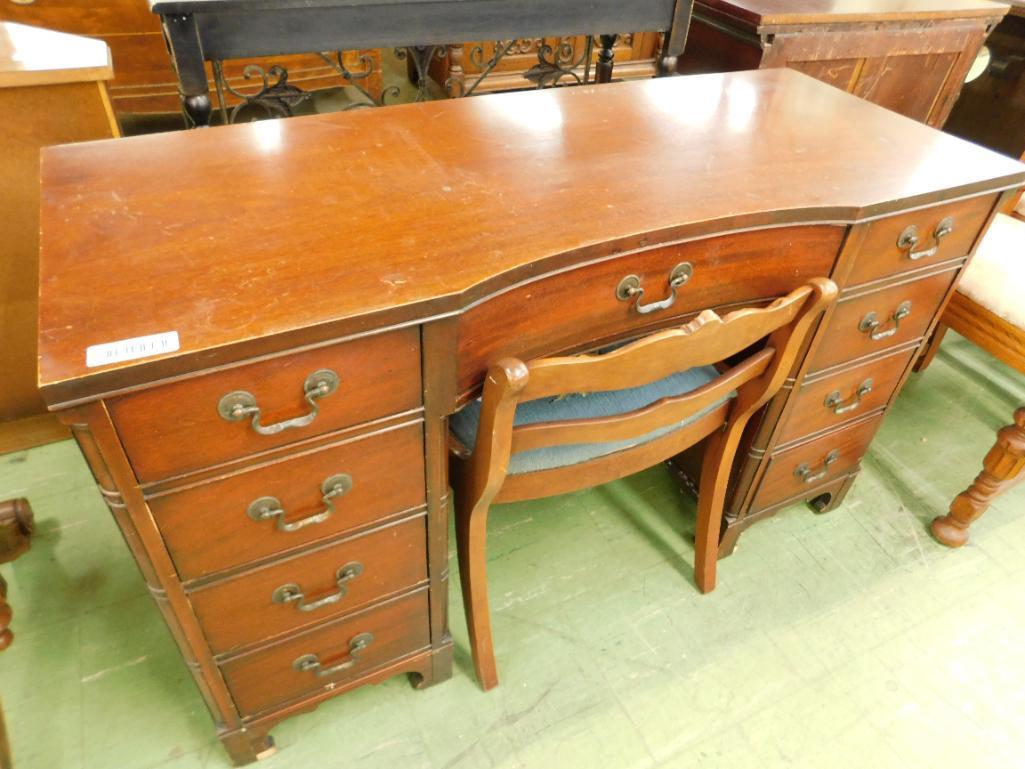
286	257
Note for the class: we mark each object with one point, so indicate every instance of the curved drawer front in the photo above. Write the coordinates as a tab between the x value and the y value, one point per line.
333	655
180	427
301	591
919	238
794	472
830	401
864	324
208	527
553	313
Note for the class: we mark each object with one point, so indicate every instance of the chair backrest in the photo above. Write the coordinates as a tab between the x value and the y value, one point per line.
705	340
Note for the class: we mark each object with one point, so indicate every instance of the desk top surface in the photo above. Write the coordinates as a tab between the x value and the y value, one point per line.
785	12
233	235
32	56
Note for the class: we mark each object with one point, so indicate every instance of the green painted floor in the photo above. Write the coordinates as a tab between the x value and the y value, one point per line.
845	640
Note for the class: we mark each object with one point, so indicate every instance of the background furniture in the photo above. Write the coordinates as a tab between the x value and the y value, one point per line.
987	310
555	425
991	108
911	57
331	494
15	537
144	80
53	86
213	30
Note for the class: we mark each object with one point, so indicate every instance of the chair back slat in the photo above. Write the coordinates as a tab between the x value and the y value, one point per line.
705	340
633	424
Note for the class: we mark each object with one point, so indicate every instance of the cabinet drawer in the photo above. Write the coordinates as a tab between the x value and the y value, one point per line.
179	427
553	313
885	252
803	468
867	323
333	654
307	589
208	528
848	394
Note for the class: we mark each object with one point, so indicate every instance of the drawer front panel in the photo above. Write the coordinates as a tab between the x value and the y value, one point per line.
885	252
810	465
552	314
870	323
263	679
843	396
178	427
307	589
207	528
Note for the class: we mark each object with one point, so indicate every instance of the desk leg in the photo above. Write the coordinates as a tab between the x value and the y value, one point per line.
1000	469
186	49
603	69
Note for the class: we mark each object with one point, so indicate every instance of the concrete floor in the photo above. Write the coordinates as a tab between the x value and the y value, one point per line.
844	640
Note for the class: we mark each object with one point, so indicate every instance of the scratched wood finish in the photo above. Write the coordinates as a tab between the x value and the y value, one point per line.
267	677
278	294
555	313
177	428
911	57
206	528
241	611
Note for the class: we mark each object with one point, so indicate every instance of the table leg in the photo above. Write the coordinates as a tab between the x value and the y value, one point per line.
183	43
603	69
1000	469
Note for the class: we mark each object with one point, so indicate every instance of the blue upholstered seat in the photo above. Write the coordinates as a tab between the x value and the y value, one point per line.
598	404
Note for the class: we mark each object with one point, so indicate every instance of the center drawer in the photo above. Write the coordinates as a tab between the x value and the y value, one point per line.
328	655
208	527
300	591
195	423
553	313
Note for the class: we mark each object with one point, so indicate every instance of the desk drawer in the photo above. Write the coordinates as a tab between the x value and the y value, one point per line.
556	313
846	395
868	323
884	252
301	591
262	679
207	527
178	427
794	471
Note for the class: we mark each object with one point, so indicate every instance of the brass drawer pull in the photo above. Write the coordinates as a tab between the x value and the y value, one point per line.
630	288
265	508
908	239
293	594
833	400
870	324
310	663
236	406
803	471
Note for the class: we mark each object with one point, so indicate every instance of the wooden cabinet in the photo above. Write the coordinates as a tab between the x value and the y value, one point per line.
991	108
284	584
911	57
144	79
52	91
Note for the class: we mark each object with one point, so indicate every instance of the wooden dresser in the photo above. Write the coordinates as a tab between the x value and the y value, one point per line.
910	56
272	440
53	88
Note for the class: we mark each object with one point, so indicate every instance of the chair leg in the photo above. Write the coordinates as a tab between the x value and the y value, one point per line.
471	541
715	475
1004	462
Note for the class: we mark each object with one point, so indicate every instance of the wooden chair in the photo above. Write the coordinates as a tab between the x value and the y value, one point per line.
988	309
534	433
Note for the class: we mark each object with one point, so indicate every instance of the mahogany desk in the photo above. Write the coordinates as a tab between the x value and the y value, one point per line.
293	564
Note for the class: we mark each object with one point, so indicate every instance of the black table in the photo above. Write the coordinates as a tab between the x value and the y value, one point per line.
198	31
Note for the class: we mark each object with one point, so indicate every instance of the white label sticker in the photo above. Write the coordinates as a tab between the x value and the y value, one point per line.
130	349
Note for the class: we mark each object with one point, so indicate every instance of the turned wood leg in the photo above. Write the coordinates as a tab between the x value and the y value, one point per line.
248	745
930	348
603	69
1001	467
16	525
471	535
